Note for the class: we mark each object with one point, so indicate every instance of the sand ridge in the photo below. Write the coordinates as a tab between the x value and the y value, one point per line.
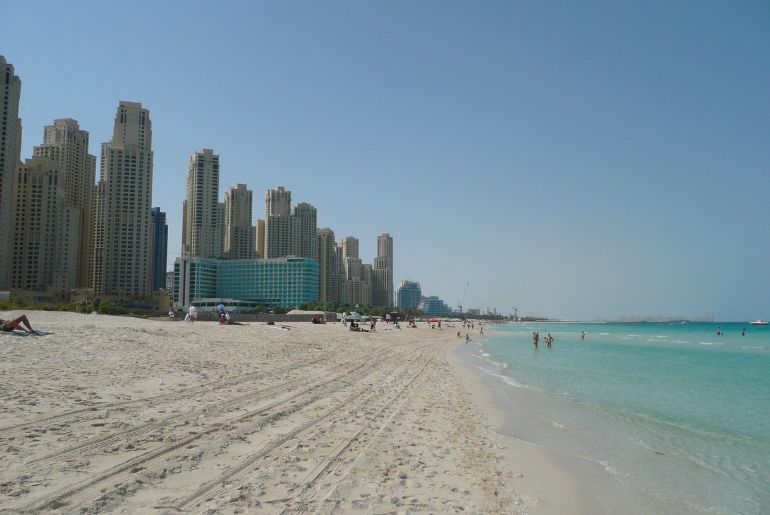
113	414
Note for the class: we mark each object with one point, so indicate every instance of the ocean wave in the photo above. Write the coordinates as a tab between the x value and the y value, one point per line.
711	343
752	347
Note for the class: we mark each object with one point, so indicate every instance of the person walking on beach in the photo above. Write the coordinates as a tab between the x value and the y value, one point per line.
192	313
467	338
18	322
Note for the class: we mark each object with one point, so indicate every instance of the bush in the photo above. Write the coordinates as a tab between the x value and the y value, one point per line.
108	307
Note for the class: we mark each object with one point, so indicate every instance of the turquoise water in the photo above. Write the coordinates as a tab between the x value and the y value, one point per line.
682	411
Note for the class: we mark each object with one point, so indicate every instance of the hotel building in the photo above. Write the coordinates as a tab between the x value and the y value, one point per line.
123	232
433	306
10	155
66	144
46	236
409	294
200	218
327	261
282	282
382	294
239	241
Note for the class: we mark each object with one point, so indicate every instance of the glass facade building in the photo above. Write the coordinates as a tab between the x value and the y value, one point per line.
282	282
433	306
409	294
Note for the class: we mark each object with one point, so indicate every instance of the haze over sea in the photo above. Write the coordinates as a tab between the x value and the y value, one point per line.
670	410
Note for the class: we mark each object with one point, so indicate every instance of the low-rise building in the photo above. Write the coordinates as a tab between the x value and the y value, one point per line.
282	282
433	306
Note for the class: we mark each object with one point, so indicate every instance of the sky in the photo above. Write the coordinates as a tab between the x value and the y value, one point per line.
578	160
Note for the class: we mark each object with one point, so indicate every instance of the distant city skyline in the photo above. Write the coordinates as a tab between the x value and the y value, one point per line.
583	161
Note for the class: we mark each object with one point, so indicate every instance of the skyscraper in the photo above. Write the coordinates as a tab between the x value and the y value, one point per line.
304	242
200	217
382	294
260	228
10	152
278	222
123	235
349	247
46	230
159	248
289	232
66	144
327	259
239	233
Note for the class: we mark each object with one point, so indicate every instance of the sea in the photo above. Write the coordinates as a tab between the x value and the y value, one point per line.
671	417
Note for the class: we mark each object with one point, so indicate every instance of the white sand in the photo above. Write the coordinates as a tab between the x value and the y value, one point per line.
121	414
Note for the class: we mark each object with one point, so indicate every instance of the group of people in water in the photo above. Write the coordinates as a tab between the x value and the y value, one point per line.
548	339
468	325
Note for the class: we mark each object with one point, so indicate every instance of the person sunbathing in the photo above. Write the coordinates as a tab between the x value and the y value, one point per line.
21	322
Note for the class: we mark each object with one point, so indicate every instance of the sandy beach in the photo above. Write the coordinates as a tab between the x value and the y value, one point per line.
117	414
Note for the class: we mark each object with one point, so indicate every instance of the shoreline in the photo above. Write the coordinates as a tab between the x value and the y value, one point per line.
545	487
572	450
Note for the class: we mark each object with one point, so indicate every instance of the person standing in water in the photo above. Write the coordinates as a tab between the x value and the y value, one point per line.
583	335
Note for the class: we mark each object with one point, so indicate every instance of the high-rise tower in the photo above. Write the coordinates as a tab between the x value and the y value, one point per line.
349	247
239	233
66	144
200	217
304	242
328	291
46	229
123	235
383	272
10	152
159	248
278	222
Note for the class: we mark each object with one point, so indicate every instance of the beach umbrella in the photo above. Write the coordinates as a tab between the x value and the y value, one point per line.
432	321
354	315
220	307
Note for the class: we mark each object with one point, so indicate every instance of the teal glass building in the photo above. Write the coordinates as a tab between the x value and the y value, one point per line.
281	282
409	294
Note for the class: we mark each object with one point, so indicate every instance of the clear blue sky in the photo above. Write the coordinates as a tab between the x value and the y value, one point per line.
573	159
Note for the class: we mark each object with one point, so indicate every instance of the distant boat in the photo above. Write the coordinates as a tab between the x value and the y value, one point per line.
759	322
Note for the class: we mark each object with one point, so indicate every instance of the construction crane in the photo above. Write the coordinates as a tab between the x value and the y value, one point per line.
460	302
